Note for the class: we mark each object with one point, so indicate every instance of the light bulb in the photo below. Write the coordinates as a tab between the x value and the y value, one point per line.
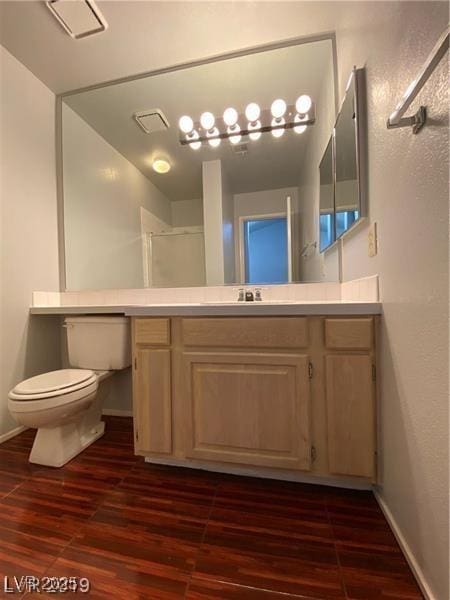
303	104
161	166
194	136
299	119
230	116
278	108
215	141
186	124
207	120
252	112
257	134
277	132
234	139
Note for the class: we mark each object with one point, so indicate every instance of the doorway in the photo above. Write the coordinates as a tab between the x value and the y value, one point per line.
265	248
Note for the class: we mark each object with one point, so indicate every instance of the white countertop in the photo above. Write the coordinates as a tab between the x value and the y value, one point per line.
219	309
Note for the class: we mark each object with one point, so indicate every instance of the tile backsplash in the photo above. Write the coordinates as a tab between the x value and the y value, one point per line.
358	290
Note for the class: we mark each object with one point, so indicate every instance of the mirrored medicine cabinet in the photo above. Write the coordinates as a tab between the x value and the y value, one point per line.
343	167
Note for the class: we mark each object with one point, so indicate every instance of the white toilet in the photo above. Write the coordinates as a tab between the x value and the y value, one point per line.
65	406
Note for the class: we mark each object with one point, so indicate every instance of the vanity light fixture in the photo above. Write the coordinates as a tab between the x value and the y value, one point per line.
252	123
299	119
235	138
230	117
277	130
161	166
207	121
303	104
252	112
186	124
256	134
278	108
192	139
213	133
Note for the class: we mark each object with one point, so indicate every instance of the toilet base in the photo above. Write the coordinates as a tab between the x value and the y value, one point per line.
55	446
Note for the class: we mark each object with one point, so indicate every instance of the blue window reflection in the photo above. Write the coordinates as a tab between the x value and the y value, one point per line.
326	230
344	220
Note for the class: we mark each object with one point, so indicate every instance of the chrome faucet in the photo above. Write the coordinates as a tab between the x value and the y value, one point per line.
258	296
241	297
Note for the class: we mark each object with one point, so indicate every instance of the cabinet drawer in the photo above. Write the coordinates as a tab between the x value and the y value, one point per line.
349	334
155	332
247	332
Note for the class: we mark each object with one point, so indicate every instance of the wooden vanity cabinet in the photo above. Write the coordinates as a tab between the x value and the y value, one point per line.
152	386
290	393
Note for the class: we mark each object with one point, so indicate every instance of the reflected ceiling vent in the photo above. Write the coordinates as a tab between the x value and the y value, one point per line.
151	120
79	18
240	149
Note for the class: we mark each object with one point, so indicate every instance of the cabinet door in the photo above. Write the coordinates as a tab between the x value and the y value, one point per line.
248	408
351	414
152	401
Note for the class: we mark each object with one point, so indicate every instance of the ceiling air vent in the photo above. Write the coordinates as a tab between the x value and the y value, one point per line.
79	18
240	149
151	120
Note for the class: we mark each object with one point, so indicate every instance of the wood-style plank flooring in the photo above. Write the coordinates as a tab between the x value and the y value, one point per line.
139	531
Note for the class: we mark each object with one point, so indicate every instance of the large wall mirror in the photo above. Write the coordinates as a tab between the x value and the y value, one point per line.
343	203
149	201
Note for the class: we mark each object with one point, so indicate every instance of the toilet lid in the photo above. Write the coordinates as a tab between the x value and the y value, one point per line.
53	381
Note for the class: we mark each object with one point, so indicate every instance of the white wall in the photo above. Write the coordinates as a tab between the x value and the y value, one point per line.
29	243
408	198
212	217
103	193
187	213
228	230
265	202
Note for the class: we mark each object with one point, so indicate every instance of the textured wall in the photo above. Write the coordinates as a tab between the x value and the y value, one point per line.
408	197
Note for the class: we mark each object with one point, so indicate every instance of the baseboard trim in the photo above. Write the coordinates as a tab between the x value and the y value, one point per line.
10	434
415	568
111	412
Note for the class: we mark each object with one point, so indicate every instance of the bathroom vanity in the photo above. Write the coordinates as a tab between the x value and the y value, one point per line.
290	393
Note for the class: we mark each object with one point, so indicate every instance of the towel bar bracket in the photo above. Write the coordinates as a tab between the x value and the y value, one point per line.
416	121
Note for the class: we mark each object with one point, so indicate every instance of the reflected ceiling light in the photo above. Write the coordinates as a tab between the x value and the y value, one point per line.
186	124
207	120
216	141
277	132
299	119
230	116
278	108
234	139
193	144
256	134
303	104
252	112
161	166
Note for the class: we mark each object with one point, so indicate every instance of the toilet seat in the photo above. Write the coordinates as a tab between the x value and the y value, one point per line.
53	383
53	389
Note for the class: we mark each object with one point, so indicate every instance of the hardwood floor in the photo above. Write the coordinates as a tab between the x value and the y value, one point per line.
139	531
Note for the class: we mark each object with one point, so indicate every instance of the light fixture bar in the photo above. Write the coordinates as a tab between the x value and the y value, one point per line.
265	116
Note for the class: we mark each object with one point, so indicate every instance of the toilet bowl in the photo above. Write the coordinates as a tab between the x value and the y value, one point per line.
65	406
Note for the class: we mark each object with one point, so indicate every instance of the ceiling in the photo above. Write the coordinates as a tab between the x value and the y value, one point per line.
146	35
269	163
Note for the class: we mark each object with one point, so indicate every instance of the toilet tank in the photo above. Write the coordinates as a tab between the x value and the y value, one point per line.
98	343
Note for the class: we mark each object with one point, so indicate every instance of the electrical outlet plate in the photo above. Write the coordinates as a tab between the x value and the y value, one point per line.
372	241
